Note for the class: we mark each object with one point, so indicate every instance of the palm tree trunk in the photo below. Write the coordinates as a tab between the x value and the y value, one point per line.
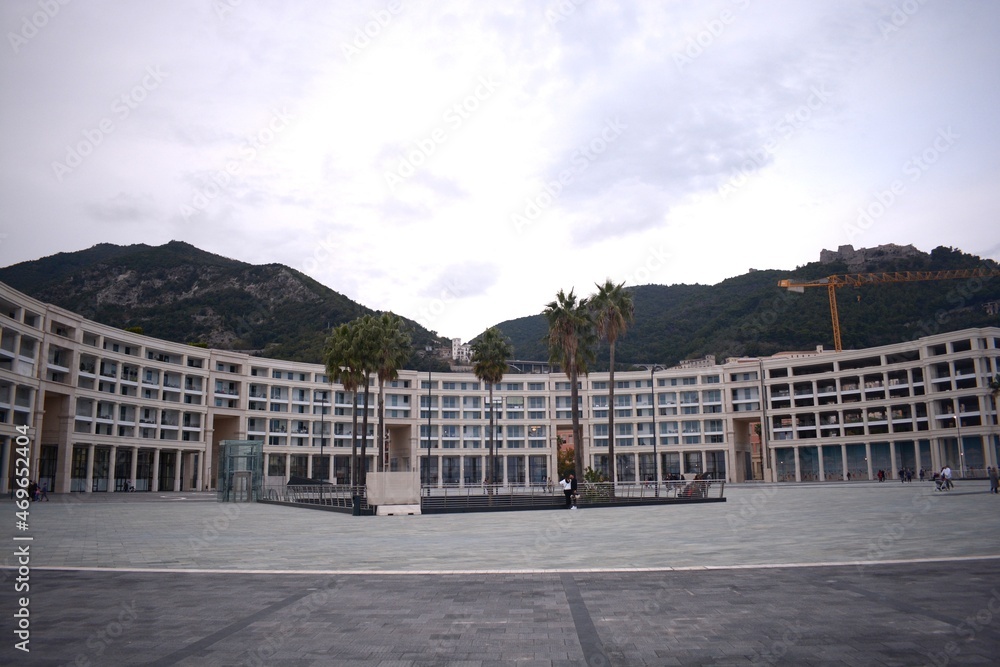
354	438
492	461
363	463
381	426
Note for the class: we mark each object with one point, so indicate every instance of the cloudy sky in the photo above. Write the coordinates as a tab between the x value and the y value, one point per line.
459	163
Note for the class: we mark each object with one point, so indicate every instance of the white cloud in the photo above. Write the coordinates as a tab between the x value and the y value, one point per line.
727	157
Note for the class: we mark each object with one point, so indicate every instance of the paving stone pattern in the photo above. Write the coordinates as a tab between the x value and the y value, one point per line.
858	574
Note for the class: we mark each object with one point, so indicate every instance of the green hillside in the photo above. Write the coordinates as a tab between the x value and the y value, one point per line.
180	293
751	315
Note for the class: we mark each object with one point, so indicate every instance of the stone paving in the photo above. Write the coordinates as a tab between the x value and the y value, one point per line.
855	574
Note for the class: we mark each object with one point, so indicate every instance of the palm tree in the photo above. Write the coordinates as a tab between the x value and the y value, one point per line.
613	310
571	340
490	353
391	345
344	366
365	333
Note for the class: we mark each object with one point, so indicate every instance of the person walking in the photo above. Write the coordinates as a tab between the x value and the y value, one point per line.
567	485
994	480
946	477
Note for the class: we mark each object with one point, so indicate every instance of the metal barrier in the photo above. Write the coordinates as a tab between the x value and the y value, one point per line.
500	497
695	489
322	495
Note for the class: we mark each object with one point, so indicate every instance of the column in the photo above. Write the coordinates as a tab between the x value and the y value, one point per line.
288	467
892	459
199	469
6	450
798	467
111	469
156	470
64	466
135	466
89	484
819	456
177	469
309	466
843	461
868	459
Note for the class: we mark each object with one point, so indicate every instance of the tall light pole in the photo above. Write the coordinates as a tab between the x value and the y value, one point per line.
961	445
656	458
492	462
322	439
429	385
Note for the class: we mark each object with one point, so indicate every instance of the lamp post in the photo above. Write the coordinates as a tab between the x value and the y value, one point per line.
656	458
322	438
429	384
961	445
492	462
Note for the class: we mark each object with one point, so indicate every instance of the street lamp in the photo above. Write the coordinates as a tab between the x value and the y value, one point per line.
492	462
961	445
429	384
656	458
322	438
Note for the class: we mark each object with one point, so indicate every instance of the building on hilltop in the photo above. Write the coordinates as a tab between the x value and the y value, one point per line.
461	352
857	259
104	408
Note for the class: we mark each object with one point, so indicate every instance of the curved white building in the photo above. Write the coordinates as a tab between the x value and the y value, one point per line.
104	407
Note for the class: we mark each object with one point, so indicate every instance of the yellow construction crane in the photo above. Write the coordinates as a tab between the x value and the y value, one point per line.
831	283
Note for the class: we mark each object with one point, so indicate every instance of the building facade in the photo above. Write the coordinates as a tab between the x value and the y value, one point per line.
105	408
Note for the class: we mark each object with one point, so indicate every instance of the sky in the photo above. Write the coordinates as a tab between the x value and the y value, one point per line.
459	163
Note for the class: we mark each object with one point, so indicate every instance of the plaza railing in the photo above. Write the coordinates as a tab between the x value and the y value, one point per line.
342	496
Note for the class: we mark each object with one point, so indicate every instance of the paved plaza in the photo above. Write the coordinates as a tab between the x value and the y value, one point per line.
855	574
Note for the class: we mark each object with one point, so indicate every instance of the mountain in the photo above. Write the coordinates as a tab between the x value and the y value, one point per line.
180	293
751	315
